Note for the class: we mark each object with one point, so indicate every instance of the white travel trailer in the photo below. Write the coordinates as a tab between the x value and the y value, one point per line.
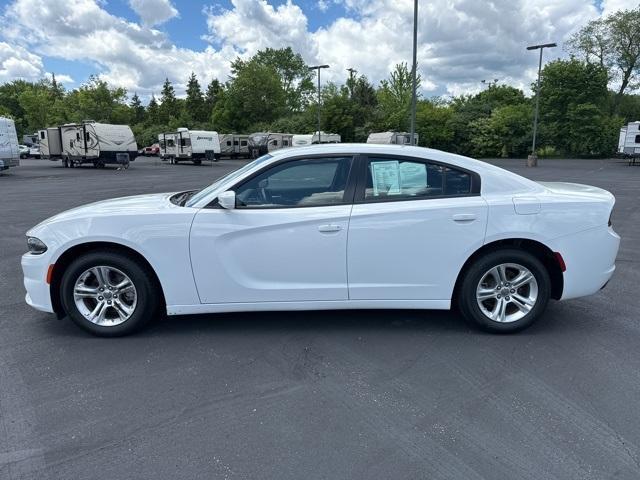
261	143
50	143
234	145
312	139
629	139
9	150
396	138
190	145
97	143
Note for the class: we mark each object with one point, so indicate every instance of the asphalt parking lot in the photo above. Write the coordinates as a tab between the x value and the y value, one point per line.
320	395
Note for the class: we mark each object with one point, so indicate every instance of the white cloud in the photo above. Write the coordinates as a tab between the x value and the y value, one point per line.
60	78
153	12
610	6
460	42
16	62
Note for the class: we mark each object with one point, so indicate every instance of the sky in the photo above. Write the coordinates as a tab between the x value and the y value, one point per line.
136	44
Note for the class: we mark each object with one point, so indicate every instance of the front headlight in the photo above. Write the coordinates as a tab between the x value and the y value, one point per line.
36	246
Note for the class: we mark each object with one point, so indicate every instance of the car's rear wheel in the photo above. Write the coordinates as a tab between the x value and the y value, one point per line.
504	291
108	293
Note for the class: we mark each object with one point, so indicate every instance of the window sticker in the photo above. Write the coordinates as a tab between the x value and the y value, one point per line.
413	175
386	177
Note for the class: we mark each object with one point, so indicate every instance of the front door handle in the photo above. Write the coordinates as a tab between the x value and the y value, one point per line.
464	217
329	228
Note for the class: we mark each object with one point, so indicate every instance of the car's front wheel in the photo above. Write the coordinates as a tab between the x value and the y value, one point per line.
504	291
108	293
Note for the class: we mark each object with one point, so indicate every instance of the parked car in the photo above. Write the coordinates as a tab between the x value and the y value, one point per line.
426	230
24	151
34	151
151	150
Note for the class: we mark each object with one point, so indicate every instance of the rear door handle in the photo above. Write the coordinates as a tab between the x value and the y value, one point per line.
464	217
329	228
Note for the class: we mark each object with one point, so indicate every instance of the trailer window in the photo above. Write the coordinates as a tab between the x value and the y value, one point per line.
285	143
228	143
637	138
42	135
171	143
275	143
243	143
235	142
78	136
87	136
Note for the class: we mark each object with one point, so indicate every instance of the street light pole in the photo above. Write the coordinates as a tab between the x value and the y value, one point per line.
318	68
532	160
414	72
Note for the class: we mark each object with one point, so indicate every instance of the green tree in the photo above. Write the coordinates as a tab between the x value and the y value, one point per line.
194	103
614	44
564	85
137	109
293	72
153	111
394	99
254	95
433	124
168	109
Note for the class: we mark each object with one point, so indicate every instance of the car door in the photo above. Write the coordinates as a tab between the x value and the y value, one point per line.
413	225
285	241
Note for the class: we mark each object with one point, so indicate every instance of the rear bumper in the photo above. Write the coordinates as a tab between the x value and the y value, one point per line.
34	269
590	259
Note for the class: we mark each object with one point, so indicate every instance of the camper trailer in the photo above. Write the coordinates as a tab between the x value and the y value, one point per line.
629	139
9	151
312	139
261	143
97	143
234	145
396	138
189	145
50	143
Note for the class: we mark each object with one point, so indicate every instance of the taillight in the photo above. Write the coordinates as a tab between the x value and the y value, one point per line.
560	261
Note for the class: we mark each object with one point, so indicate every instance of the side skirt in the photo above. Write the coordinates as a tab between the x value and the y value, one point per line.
322	305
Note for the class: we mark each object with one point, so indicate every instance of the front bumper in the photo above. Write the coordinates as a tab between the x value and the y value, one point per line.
34	269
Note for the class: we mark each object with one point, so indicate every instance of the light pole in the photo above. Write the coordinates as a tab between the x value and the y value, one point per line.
414	71
318	68
532	160
352	72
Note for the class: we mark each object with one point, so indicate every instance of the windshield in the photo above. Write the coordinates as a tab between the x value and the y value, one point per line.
199	195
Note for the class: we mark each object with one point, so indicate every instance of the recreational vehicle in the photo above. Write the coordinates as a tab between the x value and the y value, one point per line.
9	151
311	139
397	138
629	139
261	143
50	143
234	145
92	142
190	145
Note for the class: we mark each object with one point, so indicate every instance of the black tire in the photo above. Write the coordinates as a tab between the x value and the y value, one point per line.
466	296
197	162
148	298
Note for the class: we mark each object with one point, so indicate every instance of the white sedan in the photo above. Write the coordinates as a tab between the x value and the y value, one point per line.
328	227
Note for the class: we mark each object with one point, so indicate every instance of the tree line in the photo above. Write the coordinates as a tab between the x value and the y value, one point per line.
580	114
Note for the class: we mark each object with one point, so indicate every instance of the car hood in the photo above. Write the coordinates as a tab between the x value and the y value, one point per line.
134	205
578	190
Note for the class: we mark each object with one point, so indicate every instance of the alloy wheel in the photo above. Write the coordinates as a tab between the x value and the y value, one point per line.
507	292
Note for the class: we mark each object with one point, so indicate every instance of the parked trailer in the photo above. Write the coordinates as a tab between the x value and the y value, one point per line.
50	143
96	143
629	142
190	145
261	143
395	138
312	139
9	150
234	145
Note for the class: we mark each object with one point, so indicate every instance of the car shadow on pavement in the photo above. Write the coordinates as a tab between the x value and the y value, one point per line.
428	322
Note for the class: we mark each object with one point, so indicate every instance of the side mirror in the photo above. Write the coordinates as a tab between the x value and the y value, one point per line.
227	200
